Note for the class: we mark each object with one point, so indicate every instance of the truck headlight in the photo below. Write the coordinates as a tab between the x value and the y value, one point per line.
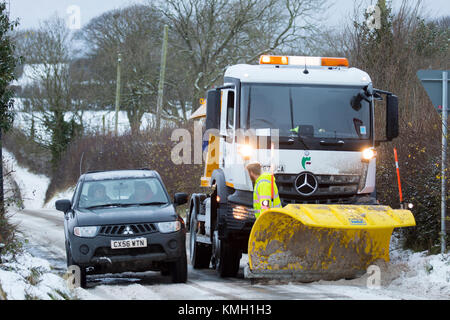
85	232
245	151
243	213
167	227
369	154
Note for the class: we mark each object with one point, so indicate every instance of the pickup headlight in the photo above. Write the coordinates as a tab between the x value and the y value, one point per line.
85	232
167	227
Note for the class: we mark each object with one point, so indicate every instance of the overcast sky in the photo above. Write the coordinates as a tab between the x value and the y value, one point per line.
31	12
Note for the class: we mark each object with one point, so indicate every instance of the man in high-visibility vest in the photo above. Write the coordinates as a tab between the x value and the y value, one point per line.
265	194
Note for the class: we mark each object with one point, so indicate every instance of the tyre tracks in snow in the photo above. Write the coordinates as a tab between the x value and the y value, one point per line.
45	229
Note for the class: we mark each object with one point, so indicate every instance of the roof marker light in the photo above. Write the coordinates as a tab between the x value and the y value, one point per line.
335	62
281	60
304	61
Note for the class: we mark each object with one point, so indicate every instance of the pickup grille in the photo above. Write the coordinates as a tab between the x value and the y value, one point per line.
127	230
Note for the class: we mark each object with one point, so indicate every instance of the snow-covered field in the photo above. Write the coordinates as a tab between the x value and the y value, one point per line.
409	275
98	121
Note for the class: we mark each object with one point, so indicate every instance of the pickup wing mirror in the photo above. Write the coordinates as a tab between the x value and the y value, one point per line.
63	205
180	199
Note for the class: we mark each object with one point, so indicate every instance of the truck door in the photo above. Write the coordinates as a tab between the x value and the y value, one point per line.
227	129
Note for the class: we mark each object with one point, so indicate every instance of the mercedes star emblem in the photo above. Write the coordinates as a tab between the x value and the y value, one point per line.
306	184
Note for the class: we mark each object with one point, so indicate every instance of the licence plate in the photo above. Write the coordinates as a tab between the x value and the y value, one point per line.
129	243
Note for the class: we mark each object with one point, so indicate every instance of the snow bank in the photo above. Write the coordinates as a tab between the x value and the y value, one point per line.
28	278
32	187
67	194
408	275
427	275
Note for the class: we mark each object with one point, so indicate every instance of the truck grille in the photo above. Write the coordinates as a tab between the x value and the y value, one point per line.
332	189
127	229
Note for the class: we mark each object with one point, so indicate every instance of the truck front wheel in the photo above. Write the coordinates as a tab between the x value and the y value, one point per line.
199	253
225	258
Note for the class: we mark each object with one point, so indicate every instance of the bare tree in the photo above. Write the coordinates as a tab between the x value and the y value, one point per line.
135	32
50	96
213	34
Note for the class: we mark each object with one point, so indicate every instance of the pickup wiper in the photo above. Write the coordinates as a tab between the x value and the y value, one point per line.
105	206
151	204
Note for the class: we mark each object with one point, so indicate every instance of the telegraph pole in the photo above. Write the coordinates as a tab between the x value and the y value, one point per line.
444	158
119	61
162	77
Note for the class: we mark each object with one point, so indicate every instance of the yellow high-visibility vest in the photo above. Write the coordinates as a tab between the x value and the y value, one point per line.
262	194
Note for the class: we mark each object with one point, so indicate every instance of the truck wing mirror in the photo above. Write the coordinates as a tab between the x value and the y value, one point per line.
356	100
392	117
392	127
377	96
213	110
180	199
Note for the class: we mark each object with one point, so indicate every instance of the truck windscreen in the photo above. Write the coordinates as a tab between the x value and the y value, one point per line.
314	111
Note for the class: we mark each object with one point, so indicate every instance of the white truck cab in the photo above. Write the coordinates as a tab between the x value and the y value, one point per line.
309	120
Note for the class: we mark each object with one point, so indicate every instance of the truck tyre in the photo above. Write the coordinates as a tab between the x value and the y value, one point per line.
200	254
178	269
226	258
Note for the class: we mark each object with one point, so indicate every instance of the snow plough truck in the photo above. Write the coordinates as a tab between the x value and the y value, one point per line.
310	122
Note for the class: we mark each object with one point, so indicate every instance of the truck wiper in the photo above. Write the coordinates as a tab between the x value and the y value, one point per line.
332	143
289	140
299	136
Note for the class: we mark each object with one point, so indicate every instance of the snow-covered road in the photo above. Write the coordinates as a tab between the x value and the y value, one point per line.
44	229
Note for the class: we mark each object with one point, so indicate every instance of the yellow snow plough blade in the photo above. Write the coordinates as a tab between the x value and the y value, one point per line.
322	242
